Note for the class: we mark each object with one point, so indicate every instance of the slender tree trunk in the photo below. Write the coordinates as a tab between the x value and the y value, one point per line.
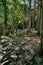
5	15
41	27
29	16
38	20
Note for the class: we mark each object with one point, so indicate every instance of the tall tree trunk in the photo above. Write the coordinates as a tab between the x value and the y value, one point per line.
38	19
5	15
41	26
29	15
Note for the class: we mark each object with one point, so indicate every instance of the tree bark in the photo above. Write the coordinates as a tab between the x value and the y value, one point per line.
5	15
29	16
41	26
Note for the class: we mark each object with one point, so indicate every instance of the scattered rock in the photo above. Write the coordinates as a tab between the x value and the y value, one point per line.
21	49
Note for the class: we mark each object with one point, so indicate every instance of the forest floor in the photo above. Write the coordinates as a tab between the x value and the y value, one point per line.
24	48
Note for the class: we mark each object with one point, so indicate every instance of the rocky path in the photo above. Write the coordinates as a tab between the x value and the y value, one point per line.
19	50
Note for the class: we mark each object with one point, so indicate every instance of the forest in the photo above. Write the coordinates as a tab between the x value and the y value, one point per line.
21	32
